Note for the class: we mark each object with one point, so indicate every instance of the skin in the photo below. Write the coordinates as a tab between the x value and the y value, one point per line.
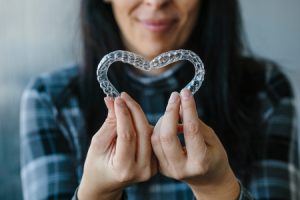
127	149
120	153
203	163
159	25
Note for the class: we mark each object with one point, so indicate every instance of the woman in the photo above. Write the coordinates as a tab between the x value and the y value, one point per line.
238	131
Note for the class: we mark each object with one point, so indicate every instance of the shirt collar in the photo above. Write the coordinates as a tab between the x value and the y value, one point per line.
170	80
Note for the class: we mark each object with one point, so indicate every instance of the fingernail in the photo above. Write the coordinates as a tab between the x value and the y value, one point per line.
105	99
120	102
185	94
173	97
126	96
108	98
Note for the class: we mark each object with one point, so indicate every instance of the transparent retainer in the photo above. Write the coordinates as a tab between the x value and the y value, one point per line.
139	62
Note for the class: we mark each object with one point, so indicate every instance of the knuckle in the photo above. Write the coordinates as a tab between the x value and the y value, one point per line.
192	128
110	120
200	167
125	176
155	139
166	138
127	136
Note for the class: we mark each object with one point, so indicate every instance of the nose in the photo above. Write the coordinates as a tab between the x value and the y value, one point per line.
157	3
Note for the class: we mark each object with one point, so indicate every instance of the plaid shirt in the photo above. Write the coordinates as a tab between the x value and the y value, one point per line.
54	142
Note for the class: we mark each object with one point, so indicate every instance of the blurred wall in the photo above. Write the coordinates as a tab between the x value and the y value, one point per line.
38	36
35	36
273	31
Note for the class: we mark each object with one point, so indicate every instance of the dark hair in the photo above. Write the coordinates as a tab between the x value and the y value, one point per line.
217	39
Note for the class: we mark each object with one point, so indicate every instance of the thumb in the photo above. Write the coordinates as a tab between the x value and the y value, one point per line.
109	102
110	121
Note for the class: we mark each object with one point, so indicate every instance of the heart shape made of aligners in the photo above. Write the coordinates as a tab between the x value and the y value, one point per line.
139	62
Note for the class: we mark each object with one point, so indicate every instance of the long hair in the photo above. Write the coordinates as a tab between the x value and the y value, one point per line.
216	38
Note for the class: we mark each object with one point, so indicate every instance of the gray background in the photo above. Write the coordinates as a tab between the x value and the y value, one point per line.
38	36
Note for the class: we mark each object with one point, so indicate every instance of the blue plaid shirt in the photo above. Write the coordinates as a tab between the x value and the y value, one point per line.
54	142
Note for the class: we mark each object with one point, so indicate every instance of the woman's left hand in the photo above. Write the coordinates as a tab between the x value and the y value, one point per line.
203	162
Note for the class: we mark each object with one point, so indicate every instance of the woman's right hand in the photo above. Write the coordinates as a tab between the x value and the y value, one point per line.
120	153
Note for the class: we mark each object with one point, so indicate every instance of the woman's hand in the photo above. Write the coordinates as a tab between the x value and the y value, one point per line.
120	153
203	162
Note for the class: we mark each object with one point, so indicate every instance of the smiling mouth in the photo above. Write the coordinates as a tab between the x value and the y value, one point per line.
158	25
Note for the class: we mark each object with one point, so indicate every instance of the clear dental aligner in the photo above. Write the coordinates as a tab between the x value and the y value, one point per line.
139	62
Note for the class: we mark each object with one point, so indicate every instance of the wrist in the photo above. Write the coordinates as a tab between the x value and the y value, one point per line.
225	188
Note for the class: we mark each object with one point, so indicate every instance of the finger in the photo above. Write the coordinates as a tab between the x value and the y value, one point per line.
168	130
142	128
192	128
156	144
188	106
109	125
126	138
105	136
109	102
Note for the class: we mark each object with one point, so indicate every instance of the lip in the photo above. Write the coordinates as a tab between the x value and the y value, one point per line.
157	25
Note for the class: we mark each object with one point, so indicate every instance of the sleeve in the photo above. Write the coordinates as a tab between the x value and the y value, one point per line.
47	162
75	196
275	175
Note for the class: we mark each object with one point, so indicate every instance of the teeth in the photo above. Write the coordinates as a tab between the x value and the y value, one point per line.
139	62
